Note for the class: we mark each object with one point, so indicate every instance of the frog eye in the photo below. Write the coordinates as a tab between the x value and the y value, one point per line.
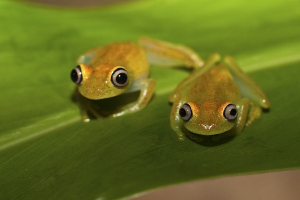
76	75
230	112
119	77
185	112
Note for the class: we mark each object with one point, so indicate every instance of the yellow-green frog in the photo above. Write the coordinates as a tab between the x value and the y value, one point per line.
121	68
216	100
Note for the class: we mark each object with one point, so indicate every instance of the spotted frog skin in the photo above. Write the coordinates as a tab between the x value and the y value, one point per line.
217	99
123	67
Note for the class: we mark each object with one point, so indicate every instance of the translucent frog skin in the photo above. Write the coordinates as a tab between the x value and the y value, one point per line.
121	68
216	100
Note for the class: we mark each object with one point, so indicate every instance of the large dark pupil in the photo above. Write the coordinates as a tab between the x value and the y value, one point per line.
74	75
182	112
233	112
121	78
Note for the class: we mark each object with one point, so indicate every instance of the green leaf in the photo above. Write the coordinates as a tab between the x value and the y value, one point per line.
46	152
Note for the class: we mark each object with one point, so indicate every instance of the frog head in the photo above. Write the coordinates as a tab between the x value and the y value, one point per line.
100	82
208	118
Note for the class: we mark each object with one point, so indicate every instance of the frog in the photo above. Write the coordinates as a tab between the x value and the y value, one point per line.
216	100
120	68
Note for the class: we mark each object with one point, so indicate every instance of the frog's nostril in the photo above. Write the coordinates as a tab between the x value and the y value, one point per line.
76	75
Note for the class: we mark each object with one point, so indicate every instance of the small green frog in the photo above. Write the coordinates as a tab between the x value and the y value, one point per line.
216	100
122	67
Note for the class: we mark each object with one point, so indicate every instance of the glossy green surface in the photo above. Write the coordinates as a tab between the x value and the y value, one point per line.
46	152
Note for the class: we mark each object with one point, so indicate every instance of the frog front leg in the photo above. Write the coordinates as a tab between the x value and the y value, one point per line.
167	54
241	121
86	106
176	122
146	88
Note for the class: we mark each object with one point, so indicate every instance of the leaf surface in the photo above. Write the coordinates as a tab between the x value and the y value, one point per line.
46	152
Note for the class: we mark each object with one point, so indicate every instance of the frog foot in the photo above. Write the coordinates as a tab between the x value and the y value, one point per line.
254	113
86	106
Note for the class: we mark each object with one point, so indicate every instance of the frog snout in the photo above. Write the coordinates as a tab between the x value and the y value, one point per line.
202	128
207	127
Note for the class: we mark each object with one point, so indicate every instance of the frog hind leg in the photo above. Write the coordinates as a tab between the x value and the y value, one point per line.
146	87
167	54
248	87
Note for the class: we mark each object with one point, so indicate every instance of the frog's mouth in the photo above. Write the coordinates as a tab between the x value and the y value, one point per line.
199	138
209	129
205	130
